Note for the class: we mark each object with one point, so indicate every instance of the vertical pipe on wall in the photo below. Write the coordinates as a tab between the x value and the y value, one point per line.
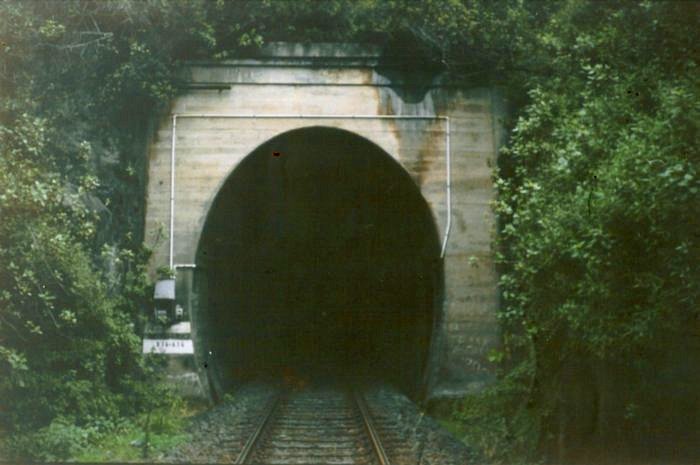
172	193
448	187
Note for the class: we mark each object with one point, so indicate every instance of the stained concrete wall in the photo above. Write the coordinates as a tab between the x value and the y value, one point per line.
343	79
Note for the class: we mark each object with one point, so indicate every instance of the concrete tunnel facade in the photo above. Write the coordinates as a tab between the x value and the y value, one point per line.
308	216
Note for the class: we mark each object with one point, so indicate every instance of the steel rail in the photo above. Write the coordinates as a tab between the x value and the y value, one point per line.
370	429
249	446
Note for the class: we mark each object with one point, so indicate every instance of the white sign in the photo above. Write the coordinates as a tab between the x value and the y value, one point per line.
168	346
180	328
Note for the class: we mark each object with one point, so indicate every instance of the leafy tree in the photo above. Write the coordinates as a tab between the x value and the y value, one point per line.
599	238
73	285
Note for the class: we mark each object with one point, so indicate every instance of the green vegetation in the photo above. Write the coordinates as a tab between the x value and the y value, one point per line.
600	247
117	440
166	430
598	187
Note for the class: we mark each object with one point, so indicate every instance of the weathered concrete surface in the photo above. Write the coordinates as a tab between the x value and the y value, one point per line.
334	79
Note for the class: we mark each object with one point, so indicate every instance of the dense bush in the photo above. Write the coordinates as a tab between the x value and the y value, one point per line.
60	440
597	200
75	104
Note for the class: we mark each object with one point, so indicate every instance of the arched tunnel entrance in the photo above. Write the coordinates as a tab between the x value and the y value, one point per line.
322	259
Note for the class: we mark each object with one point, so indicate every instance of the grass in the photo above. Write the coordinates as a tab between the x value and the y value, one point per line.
127	444
455	427
483	422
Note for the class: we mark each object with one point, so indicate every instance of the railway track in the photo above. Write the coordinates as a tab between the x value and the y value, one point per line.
318	425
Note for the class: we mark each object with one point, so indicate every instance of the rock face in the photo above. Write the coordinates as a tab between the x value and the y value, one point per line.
231	108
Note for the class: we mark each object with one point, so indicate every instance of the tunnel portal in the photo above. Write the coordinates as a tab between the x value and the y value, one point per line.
321	259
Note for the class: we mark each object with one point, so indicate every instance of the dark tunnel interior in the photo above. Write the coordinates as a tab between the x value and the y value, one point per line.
321	260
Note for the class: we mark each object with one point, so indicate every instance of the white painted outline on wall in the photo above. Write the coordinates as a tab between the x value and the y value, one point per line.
175	116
